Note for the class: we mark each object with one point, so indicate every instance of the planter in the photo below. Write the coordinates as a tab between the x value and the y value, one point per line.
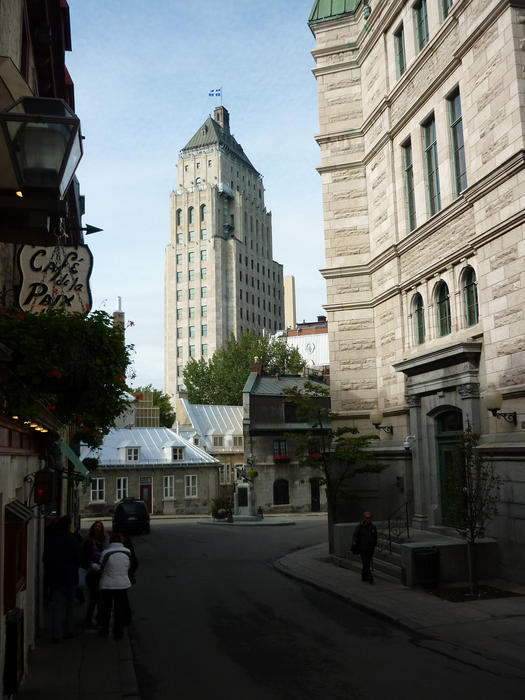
281	459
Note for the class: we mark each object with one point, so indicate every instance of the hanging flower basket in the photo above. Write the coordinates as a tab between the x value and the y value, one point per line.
281	459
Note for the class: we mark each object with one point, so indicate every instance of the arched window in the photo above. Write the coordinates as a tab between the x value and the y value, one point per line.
470	296
418	316
443	309
281	494
179	217
203	212
191	215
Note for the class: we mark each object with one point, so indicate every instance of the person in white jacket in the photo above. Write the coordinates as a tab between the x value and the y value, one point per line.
115	565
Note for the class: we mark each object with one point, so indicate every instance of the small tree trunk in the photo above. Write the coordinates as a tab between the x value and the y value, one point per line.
472	579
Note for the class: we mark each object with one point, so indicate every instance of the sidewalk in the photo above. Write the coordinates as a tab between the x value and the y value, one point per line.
488	634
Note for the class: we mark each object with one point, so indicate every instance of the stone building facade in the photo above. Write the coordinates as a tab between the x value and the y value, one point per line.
220	277
422	169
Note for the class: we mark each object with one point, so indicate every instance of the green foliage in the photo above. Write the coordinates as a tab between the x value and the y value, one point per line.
221	379
74	364
166	413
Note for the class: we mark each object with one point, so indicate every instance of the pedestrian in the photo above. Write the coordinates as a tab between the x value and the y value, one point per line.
95	543
364	542
61	564
115	565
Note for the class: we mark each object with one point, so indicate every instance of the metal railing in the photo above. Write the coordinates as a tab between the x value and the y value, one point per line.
398	523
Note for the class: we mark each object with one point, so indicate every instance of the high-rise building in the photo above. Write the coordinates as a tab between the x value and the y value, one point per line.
220	275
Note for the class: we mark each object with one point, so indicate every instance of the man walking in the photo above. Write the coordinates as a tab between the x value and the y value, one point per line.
364	542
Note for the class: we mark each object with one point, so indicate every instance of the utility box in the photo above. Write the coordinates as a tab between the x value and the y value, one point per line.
426	566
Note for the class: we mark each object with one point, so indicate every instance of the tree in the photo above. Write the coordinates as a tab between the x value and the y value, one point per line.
474	491
162	401
72	364
221	379
339	453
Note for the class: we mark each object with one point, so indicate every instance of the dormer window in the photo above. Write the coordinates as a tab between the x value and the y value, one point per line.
132	454
177	454
218	440
196	440
237	440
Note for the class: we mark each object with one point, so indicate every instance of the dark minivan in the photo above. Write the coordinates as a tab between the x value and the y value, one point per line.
131	515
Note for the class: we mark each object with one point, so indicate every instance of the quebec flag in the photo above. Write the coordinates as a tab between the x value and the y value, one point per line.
215	93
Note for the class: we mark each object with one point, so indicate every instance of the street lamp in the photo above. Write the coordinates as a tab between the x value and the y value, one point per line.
376	418
44	142
493	400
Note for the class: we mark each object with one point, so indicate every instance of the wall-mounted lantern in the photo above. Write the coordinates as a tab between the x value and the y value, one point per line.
376	418
493	400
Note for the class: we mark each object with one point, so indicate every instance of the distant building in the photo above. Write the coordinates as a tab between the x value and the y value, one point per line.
220	276
311	339
146	414
289	301
171	474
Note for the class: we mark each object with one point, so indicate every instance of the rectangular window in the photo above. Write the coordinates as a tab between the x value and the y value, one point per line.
445	7
204	255
204	329
192	351
169	488
179	276
179	351
238	440
279	447
431	162
191	312
204	234
409	185
190	486
132	454
97	490
204	349
179	238
204	273
179	314
191	331
458	146
191	275
178	258
225	474
218	440
191	257
122	487
401	61
204	292
180	370
179	294
204	311
191	294
421	21
191	236
177	454
179	332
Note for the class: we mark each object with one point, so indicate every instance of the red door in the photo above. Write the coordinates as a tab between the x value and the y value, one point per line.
145	495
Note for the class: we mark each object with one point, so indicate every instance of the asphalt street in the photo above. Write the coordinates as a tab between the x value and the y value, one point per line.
213	617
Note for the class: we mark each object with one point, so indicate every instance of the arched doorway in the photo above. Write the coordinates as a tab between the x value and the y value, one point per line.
449	430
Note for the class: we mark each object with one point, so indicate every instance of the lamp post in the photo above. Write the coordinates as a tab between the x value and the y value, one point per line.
493	400
44	143
376	418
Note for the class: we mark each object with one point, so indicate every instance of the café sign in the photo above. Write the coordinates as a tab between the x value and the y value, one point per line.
56	276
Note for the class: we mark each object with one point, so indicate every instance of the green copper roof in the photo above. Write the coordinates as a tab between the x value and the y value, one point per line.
210	134
324	10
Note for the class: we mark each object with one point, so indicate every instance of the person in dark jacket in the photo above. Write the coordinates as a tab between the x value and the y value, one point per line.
364	542
61	563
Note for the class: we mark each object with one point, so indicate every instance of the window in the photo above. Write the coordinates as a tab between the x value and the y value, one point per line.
177	454
204	329
204	234
409	185
191	215
180	388
191	275
180	370
179	351
179	314
203	212
225	474
445	7
204	349
179	294
190	486
191	257
204	255
192	351
196	440
204	310
179	332
122	487
238	440
420	12
431	161
191	236
191	293
179	238
179	217
204	273
191	312
418	314
458	147
204	292
169	488
132	454
470	293
218	441
399	42
290	412
198	168
443	309
191	331
281	493
179	276
97	490
279	447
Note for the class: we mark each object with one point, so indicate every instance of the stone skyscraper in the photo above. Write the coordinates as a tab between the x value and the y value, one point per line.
220	275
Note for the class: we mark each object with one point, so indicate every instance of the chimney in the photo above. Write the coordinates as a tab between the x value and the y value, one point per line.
257	366
222	117
118	315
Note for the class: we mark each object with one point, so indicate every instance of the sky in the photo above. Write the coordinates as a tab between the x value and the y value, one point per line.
142	71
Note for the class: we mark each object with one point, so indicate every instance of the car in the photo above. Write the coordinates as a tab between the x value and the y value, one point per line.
131	515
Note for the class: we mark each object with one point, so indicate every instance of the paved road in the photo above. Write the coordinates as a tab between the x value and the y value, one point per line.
213	618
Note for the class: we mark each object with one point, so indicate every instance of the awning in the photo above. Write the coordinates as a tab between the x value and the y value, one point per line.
74	459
